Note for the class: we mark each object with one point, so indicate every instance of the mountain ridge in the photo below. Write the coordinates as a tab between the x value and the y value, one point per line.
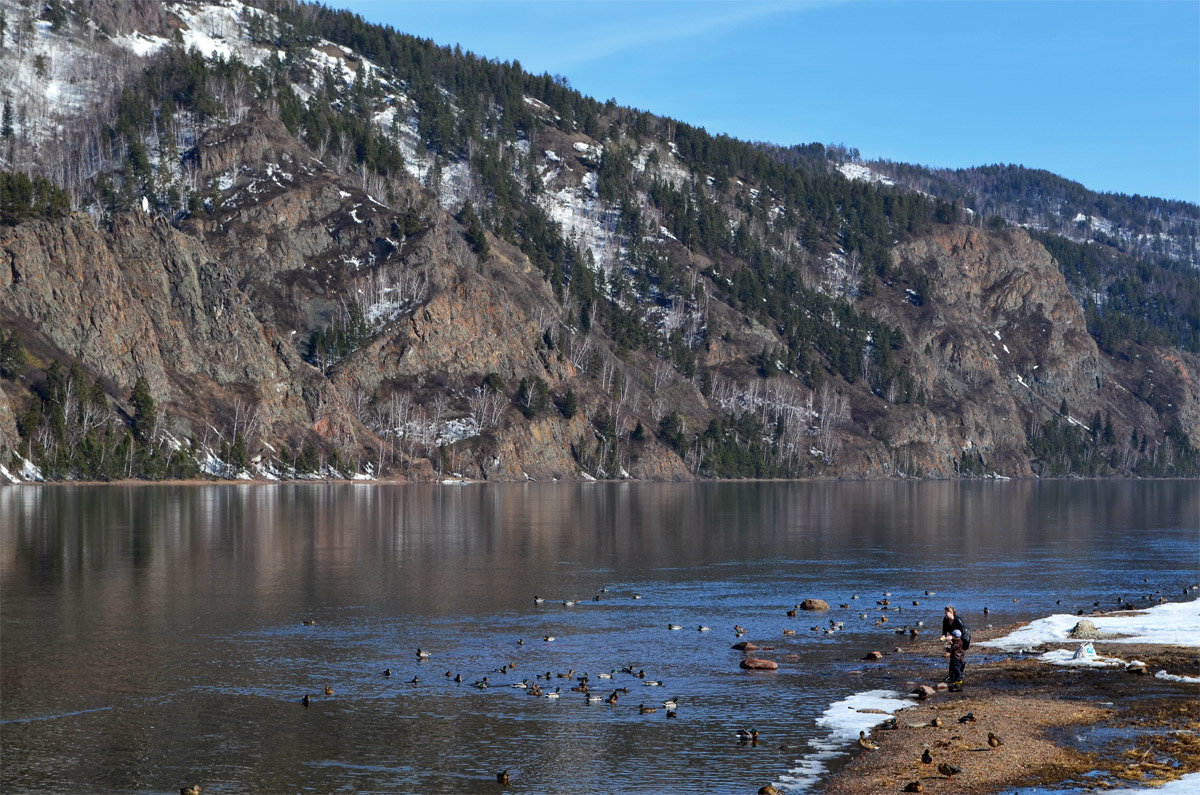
401	261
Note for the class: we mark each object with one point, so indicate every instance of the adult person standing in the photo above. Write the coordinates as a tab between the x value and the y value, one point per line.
953	632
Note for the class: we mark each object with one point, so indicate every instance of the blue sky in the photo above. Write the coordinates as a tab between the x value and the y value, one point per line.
1105	93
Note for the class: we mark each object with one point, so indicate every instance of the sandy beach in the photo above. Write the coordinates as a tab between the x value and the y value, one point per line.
1086	723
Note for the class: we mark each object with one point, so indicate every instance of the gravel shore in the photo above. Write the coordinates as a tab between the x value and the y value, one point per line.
1060	727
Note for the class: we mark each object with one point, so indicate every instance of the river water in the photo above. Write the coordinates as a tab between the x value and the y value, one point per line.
153	637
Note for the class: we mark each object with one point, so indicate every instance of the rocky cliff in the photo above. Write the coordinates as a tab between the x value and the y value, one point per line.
484	274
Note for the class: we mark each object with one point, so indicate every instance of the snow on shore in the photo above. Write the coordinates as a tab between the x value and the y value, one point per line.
1171	624
844	720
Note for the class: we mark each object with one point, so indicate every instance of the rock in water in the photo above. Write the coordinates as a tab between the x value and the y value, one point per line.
755	664
814	604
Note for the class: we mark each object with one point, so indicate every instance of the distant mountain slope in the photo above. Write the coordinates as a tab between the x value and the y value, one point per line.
278	241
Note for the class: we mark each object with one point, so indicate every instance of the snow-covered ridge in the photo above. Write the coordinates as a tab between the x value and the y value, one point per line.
859	172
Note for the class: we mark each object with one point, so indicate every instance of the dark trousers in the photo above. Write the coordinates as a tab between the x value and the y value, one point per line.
956	670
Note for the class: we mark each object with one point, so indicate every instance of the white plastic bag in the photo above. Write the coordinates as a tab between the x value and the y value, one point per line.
1085	652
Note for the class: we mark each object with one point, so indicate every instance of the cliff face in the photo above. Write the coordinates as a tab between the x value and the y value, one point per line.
220	314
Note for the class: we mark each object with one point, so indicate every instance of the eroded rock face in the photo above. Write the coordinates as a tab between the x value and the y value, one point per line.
217	314
814	604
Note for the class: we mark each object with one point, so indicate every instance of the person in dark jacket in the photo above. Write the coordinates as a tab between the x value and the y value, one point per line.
950	622
957	661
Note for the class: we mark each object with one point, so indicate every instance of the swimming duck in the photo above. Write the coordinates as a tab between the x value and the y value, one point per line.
793	612
502	778
994	740
537	600
703	628
387	671
192	790
739	630
328	690
748	736
593	698
422	654
305	701
308	622
522	685
674	627
671	714
549	638
671	703
569	602
612	697
414	681
866	743
458	677
643	709
567	675
481	684
789	632
555	694
609	675
653	683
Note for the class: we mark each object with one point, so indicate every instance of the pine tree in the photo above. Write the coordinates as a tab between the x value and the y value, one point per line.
144	414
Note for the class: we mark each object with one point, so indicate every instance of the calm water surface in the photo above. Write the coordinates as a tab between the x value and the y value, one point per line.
154	636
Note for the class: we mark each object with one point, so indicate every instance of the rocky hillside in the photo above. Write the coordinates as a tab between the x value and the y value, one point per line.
280	242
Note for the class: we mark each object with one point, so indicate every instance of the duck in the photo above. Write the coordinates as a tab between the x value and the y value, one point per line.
739	630
703	628
968	718
567	675
549	638
387	671
609	675
502	778
793	612
306	700
671	714
555	694
593	698
866	743
674	627
537	600
522	685
994	740
936	722
926	756
768	789
310	622
748	735
328	690
948	770
192	790
422	654
482	683
789	632
914	786
643	709
671	703
890	723
458	677
414	681
570	602
612	697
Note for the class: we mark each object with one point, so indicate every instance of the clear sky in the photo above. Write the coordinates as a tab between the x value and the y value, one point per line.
1104	93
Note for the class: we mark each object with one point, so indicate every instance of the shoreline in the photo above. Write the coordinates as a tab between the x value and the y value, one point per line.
1086	727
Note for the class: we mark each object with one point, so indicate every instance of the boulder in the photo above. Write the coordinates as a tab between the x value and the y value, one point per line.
923	692
873	656
745	645
814	604
755	664
1085	630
